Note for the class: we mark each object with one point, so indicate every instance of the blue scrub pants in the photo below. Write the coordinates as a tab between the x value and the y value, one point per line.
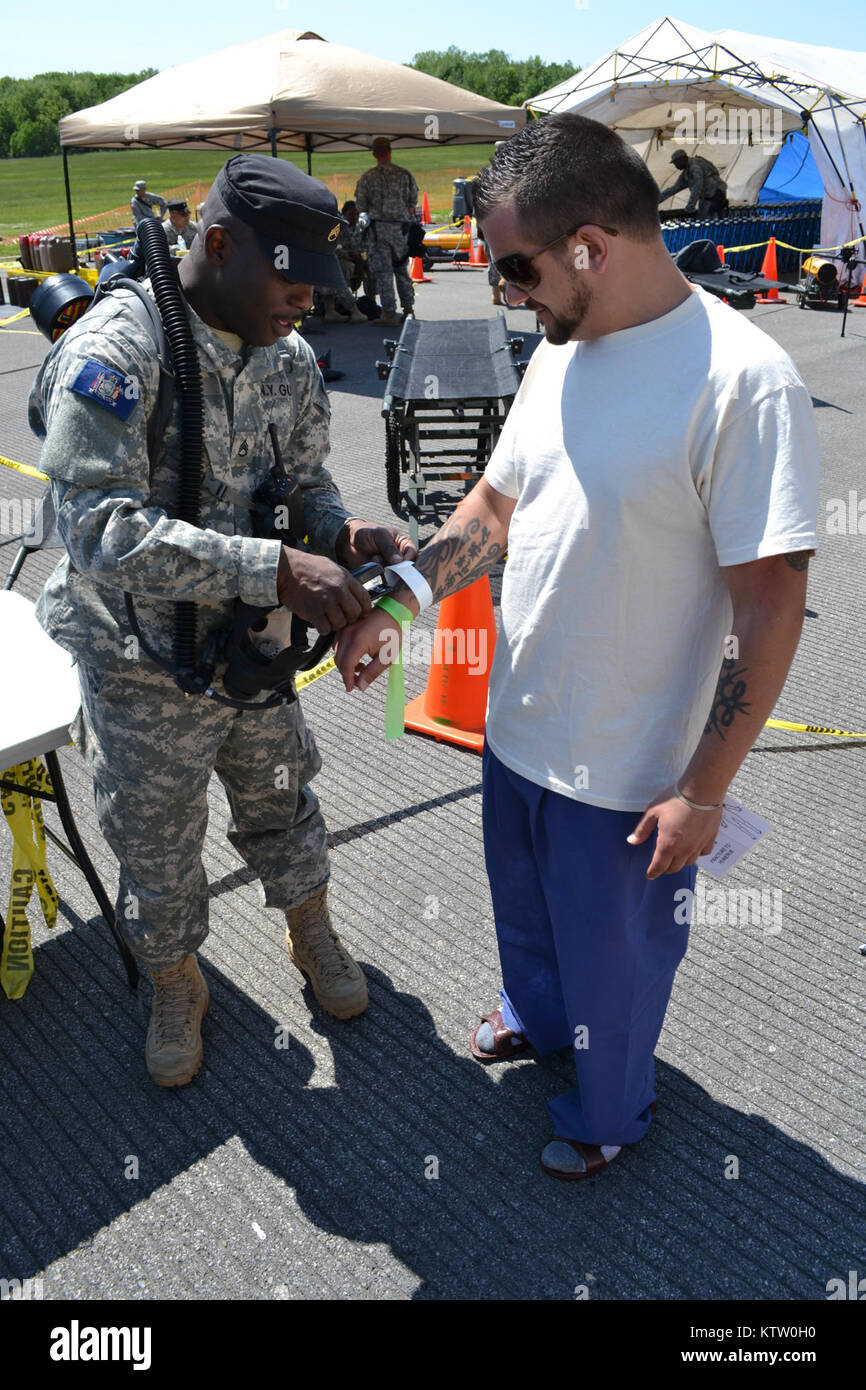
589	946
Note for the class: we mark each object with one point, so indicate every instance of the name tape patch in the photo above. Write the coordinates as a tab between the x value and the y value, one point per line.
108	388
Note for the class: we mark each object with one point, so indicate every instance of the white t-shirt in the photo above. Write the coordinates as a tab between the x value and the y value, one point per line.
641	462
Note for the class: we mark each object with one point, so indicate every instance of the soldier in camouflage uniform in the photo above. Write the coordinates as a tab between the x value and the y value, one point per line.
340	304
177	225
142	203
150	748
351	252
708	192
388	195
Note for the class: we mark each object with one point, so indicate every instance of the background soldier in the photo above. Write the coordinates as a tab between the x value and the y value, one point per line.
340	305
708	192
388	194
177	226
142	202
150	748
351	254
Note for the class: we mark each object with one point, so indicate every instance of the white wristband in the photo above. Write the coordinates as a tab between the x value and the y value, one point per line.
414	580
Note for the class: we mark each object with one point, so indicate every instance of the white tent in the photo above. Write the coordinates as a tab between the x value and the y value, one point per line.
732	97
289	91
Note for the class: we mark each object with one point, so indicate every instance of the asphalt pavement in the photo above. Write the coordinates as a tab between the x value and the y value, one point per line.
374	1159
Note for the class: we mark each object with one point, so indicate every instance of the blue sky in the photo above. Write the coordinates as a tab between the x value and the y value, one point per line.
161	33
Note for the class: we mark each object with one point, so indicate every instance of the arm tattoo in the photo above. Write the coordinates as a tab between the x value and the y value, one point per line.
798	559
728	699
462	553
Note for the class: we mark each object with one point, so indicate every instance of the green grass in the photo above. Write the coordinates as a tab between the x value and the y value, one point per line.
32	195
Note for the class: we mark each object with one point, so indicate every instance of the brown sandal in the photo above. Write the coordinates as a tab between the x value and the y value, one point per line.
592	1155
502	1045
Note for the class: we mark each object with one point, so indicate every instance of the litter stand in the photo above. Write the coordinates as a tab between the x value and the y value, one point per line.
450	386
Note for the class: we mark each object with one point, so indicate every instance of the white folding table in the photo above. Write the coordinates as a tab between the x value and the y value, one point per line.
39	698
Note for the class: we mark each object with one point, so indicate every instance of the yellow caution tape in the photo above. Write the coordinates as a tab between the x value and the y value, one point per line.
806	250
13	318
24	814
24	468
812	729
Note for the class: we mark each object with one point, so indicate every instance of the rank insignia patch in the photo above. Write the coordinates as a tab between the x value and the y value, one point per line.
106	387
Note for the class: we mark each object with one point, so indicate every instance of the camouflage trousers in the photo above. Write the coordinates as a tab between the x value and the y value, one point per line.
387	250
151	751
355	277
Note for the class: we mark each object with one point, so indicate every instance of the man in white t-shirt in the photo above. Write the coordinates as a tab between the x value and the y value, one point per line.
655	485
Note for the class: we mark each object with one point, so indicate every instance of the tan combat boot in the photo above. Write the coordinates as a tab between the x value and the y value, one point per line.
497	293
314	947
180	999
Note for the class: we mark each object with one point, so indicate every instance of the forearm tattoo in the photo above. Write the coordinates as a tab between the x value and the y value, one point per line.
798	559
729	698
460	554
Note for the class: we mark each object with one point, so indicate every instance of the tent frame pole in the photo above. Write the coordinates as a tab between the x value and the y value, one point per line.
273	135
308	141
69	210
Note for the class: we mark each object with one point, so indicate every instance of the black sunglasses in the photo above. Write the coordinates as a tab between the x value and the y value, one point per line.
519	270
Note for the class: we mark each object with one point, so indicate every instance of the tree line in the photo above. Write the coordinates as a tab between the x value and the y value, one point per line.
494	74
30	107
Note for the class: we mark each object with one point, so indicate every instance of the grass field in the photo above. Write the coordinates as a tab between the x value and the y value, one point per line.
32	196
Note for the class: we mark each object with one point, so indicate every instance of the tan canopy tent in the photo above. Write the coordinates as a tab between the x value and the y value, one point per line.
289	91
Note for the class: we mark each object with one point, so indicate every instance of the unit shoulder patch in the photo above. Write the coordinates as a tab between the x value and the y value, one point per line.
107	387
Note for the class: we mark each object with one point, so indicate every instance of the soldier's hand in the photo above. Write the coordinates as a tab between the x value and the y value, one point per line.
319	591
360	542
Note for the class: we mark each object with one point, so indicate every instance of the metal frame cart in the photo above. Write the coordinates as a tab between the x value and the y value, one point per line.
450	384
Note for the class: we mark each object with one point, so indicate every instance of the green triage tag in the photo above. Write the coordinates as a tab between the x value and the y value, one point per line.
395	698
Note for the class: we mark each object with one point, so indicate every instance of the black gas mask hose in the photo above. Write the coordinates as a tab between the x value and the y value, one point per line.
162	270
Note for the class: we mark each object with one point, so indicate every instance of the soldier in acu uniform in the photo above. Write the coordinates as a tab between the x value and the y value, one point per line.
708	192
177	225
388	195
267	236
142	203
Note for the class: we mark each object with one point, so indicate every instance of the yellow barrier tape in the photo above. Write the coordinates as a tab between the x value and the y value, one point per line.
13	318
804	250
84	272
24	468
29	274
812	729
29	868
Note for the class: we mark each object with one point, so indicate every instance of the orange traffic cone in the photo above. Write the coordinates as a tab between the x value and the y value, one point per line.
454	705
479	255
416	272
860	301
425	209
768	268
467	243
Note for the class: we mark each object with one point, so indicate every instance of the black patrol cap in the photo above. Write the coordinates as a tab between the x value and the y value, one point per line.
178	205
294	216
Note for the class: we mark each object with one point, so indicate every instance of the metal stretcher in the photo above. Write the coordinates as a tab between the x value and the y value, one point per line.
700	263
449	388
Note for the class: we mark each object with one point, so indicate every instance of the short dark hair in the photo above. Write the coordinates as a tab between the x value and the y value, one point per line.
349	203
564	169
